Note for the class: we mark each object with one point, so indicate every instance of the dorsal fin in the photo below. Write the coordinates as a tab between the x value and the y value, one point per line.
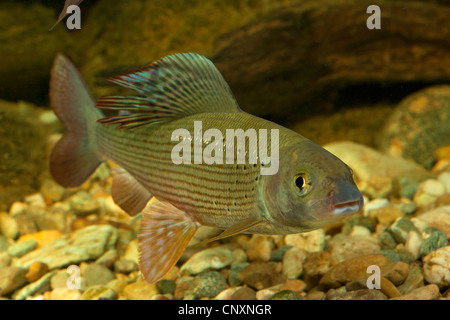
173	87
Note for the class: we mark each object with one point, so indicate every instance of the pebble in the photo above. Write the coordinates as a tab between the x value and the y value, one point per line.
36	270
125	266
413	280
436	267
233	276
413	243
11	278
351	269
5	259
293	262
315	266
277	254
109	258
386	215
377	187
8	226
243	293
358	220
295	285
313	241
59	279
21	248
34	288
206	285
386	240
286	295
444	178
260	275
166	286
98	292
140	290
438	218
42	238
83	204
375	204
396	272
52	191
389	289
344	247
63	294
316	295
117	285
212	258
401	228
434	241
434	187
82	245
429	292
391	255
96	274
260	248
362	294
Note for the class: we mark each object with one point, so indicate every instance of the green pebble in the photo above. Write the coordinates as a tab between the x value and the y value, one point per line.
391	255
358	221
22	248
166	286
277	255
434	241
400	229
233	277
4	244
285	295
405	255
386	240
206	285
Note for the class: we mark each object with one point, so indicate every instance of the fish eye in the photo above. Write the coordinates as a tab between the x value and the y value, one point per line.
302	183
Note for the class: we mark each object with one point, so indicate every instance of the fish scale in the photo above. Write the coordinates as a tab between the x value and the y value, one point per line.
209	182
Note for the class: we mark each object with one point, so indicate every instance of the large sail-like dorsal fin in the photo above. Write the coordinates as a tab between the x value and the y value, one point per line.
171	88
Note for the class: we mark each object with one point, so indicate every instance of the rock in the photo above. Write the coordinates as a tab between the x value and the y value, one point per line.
316	295
369	164
244	293
344	247
386	240
277	254
42	238
117	285
260	248
414	243
404	254
293	262
285	295
83	204
429	292
5	259
377	187
389	289
396	272
109	258
315	266
35	288
99	292
212	258
260	275
406	205
413	280
359	231
401	228
52	191
374	204
362	294
166	286
436	267
442	153
8	226
428	192
132	251
82	245
233	277
11	278
227	293
391	255
386	215
427	111
295	285
351	269
434	241
64	293
444	178
125	266
140	290
96	274
313	241
358	220
206	285
438	218
182	285
36	270
59	279
409	181
22	248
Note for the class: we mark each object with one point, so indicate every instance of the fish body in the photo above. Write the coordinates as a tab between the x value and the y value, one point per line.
309	187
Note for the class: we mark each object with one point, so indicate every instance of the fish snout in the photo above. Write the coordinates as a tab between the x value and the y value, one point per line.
346	199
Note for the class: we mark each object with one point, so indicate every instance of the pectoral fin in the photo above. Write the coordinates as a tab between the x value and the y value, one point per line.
235	229
165	233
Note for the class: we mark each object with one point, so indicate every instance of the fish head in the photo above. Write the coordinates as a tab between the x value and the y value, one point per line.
311	189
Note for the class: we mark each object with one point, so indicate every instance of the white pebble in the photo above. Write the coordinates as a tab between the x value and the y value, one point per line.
375	204
360	231
444	177
436	267
413	242
434	187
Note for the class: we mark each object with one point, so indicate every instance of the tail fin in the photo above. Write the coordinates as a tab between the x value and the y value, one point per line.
74	157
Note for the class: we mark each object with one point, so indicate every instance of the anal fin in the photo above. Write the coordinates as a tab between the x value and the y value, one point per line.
127	192
233	230
164	234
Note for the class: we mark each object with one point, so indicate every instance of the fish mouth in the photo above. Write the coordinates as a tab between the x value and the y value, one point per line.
348	207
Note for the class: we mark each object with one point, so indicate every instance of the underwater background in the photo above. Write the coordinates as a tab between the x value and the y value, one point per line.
379	99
